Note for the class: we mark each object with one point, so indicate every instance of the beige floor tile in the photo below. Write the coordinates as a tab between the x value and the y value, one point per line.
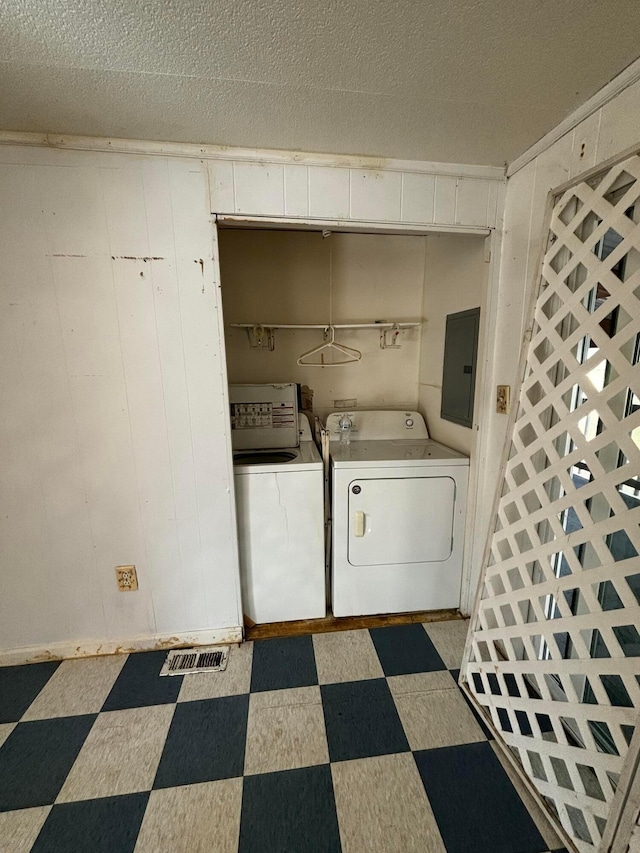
449	639
281	698
120	755
5	731
18	830
545	828
234	680
285	730
193	819
346	656
437	718
77	687
382	806
421	682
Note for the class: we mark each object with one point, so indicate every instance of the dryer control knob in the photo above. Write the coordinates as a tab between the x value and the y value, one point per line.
409	422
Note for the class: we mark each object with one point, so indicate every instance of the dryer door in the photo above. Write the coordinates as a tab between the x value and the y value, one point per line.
404	520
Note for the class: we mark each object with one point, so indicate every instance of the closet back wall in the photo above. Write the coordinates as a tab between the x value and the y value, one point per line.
283	277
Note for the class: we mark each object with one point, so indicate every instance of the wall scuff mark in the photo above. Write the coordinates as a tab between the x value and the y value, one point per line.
144	258
201	262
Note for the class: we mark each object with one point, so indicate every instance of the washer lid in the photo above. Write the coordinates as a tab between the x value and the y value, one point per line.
394	453
305	458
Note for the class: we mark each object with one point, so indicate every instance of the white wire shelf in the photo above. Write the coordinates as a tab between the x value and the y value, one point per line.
386	325
261	334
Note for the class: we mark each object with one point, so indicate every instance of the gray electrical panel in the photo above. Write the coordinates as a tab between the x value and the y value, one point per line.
459	371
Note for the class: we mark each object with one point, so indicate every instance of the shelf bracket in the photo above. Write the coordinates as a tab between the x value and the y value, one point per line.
391	341
261	337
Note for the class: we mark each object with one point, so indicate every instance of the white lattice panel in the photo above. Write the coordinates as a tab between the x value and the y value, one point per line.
554	650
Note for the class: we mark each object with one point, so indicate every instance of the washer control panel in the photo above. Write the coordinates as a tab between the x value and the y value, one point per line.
263	416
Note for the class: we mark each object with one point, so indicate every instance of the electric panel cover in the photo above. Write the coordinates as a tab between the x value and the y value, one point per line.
459	370
264	416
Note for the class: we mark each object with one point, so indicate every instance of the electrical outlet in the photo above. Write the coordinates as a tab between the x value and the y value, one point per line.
503	399
345	404
127	578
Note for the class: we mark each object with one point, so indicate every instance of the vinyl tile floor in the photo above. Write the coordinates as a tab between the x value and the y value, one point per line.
352	741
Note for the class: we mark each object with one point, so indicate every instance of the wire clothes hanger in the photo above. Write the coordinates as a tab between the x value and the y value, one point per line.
349	354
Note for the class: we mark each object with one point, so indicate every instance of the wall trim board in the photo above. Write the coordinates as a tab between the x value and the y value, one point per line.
479	473
626	78
225	400
346	225
94	648
256	155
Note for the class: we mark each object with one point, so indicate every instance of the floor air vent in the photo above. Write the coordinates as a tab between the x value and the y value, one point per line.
186	661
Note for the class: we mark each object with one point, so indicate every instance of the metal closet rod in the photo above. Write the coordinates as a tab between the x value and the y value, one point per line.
385	325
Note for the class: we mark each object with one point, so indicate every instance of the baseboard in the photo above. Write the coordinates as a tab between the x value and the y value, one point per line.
344	623
92	648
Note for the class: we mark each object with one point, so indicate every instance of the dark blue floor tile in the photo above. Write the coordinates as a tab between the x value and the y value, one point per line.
289	812
361	720
140	684
93	826
474	803
283	662
205	742
404	649
486	730
36	758
19	686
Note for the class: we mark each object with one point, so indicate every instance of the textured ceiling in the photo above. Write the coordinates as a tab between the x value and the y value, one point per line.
468	81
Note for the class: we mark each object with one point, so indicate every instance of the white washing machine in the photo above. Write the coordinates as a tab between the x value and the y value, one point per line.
279	485
398	510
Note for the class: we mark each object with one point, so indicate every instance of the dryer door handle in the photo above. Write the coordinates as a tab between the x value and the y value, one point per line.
358	524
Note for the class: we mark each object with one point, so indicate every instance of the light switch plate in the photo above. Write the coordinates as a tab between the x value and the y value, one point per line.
503	399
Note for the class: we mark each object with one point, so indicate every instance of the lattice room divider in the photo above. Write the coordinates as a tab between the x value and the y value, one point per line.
553	651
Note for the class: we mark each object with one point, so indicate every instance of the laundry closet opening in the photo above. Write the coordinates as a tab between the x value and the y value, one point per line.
384	299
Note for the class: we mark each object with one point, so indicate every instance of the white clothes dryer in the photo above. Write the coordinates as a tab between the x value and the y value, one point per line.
398	515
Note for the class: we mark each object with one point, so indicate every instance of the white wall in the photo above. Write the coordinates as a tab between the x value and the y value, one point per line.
283	276
114	446
455	280
609	131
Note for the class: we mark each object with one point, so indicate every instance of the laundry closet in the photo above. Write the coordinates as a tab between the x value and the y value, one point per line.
384	299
